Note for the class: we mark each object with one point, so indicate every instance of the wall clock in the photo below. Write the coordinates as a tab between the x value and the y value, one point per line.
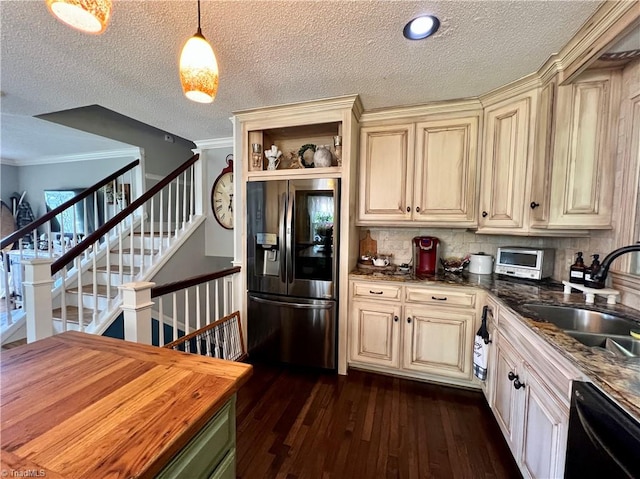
222	195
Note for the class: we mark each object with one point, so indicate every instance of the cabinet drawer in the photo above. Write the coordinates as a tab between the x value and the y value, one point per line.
377	291
441	297
204	453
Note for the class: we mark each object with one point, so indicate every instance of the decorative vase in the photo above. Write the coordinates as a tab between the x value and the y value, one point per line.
322	157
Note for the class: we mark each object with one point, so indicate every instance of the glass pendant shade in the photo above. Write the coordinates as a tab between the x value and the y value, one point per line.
199	70
90	16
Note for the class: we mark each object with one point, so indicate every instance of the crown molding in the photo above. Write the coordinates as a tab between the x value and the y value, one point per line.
97	155
469	105
510	90
214	143
346	102
611	21
7	162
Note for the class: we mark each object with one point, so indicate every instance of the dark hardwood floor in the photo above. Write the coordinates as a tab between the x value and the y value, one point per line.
299	424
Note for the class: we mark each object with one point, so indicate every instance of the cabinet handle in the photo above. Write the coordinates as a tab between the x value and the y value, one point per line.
375	292
485	214
409	320
439	299
395	318
517	384
487	341
511	376
408	209
534	205
417	209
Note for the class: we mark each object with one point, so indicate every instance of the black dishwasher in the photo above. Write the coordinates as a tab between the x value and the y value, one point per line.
603	440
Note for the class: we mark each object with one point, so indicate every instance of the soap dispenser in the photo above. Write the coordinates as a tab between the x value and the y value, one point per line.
591	271
576	271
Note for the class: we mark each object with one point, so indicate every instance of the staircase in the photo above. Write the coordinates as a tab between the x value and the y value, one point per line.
131	246
96	301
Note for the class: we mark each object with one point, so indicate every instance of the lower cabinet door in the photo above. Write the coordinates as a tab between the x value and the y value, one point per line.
506	400
438	341
544	431
374	333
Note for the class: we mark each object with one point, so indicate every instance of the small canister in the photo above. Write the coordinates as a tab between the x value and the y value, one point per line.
480	263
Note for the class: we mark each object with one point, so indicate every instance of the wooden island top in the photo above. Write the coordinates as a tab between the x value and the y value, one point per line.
77	405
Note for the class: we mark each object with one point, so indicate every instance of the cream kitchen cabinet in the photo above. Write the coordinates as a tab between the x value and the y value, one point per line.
548	158
425	333
438	341
421	172
504	187
531	394
584	151
375	331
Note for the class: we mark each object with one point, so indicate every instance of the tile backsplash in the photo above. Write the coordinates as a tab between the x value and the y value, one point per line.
458	242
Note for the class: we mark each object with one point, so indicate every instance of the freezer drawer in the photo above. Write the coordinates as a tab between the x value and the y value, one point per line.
300	332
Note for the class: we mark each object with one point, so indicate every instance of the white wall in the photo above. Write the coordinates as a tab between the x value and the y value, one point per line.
219	241
190	261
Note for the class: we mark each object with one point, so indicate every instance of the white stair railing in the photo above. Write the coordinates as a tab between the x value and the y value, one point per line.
38	240
109	257
186	305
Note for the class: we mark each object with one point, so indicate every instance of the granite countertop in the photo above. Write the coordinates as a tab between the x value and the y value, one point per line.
618	377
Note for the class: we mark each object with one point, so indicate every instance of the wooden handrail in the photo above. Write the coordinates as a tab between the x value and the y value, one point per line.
105	228
15	236
194	280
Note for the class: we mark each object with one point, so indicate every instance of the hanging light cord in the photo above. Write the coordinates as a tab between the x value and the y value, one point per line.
199	30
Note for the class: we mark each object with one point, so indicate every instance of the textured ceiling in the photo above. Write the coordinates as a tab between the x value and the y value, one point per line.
269	52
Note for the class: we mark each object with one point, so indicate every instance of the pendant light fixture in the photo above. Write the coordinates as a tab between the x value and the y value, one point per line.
199	68
89	16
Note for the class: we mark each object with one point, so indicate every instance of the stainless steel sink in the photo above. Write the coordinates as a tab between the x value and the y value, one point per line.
592	328
624	346
584	320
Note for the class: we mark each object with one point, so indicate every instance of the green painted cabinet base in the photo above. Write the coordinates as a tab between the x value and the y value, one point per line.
211	454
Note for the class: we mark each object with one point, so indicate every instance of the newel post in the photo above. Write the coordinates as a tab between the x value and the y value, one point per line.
37	298
136	306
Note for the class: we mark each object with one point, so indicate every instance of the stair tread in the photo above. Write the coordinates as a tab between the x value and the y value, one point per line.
73	314
102	290
147	233
136	250
114	269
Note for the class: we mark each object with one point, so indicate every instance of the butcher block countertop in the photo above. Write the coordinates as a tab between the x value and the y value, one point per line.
77	405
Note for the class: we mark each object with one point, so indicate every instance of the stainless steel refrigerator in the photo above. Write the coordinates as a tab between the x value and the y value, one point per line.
292	264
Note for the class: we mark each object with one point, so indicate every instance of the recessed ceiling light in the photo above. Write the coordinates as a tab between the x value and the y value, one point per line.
421	27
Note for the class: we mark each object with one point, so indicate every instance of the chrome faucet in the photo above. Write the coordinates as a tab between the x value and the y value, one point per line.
601	275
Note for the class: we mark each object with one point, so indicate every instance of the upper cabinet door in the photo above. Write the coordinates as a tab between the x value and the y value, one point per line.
506	146
585	151
542	156
445	171
386	172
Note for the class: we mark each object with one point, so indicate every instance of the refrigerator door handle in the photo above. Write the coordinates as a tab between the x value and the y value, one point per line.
292	305
289	228
281	245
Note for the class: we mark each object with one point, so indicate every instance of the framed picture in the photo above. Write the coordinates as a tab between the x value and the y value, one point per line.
124	193
108	192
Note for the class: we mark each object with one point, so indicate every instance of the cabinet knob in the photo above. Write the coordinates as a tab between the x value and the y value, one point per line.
409	320
408	209
487	341
517	384
485	214
396	319
534	205
511	376
417	209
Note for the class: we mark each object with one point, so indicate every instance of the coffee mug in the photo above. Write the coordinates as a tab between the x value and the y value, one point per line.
380	262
